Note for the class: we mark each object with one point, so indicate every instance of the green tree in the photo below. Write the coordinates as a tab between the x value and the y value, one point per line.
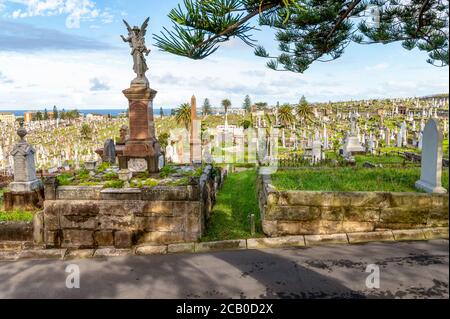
247	105
308	30
226	104
38	116
71	115
261	105
45	114
183	115
55	112
86	131
245	124
163	140
286	118
304	110
206	108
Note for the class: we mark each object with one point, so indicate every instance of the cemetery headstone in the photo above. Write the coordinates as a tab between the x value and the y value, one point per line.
431	171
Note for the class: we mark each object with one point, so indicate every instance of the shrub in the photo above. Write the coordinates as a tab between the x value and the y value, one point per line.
64	179
167	170
110	176
114	184
83	174
103	167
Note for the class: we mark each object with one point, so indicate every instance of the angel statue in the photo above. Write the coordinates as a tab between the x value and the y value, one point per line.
136	39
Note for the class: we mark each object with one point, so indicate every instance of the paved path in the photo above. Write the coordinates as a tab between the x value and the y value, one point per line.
407	270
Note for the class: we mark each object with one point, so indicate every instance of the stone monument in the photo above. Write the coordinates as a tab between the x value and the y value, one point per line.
27	189
430	177
195	140
352	144
142	150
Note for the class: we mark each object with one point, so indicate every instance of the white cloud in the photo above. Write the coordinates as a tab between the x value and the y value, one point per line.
75	10
69	80
376	67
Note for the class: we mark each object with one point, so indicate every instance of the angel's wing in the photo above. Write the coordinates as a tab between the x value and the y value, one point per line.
144	27
128	26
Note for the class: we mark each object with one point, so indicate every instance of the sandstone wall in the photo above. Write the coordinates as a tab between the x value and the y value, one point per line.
91	217
310	212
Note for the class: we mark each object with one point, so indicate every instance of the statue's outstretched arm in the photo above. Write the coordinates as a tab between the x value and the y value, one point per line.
125	39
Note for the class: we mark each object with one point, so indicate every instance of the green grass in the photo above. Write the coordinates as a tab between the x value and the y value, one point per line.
375	159
16	216
235	202
445	148
114	184
350	179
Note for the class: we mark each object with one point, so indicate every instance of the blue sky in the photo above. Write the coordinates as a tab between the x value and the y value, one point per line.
69	53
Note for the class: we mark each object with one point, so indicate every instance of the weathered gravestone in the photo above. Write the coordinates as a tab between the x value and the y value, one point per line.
25	178
430	177
27	190
109	152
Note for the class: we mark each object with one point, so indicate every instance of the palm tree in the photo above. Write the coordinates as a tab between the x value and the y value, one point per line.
304	110
286	117
226	105
183	115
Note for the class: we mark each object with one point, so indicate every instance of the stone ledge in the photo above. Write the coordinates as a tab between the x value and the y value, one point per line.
26	252
121	194
436	233
278	242
79	254
145	250
112	252
181	248
312	240
221	245
411	234
354	238
9	255
42	254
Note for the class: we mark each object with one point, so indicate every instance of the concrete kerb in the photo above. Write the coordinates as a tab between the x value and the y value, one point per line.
242	244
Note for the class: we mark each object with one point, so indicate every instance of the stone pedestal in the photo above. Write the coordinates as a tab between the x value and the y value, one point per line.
142	149
26	191
353	146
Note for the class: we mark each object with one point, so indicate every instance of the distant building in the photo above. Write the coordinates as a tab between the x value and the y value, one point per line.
95	117
28	116
7	117
236	111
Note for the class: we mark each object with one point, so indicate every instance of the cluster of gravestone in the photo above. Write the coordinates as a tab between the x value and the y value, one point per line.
58	143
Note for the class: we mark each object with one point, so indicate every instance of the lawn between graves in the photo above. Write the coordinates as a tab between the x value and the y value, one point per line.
351	179
235	202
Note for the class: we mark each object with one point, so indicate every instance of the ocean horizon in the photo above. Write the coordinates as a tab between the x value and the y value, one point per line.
112	112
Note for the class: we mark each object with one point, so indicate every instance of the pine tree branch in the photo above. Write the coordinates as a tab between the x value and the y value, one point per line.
343	17
238	24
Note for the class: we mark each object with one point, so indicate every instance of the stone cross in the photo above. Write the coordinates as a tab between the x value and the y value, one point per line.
430	177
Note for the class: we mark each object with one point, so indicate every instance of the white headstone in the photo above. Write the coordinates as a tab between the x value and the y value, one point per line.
430	177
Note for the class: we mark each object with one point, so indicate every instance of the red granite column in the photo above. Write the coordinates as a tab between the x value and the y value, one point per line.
195	142
142	144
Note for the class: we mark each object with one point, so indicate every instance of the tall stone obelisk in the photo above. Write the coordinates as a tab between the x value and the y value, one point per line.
142	149
195	143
